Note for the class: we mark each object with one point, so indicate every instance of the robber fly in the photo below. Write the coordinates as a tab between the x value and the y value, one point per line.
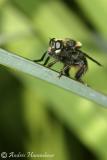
68	52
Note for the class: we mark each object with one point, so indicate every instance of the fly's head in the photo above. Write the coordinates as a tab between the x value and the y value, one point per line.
56	46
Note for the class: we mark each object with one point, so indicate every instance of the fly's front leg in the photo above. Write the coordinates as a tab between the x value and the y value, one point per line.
42	58
52	63
46	61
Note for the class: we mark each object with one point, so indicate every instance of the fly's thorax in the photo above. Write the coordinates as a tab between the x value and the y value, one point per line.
75	55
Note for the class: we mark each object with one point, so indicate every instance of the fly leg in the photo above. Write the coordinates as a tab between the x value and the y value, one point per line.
64	71
52	63
80	72
42	58
46	61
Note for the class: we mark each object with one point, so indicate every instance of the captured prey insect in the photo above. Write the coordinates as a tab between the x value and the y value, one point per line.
68	52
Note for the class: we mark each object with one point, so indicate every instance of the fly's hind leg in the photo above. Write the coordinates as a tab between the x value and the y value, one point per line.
82	70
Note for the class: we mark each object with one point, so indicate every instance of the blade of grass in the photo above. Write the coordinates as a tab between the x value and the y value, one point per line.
21	64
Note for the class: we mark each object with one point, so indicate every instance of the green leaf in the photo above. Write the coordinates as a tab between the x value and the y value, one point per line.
27	66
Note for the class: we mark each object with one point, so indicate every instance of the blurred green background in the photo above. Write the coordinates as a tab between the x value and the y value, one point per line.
41	118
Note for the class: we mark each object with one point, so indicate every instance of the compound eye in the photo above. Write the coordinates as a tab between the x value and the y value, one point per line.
58	45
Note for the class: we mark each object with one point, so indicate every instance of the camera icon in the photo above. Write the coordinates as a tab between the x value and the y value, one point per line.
4	155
